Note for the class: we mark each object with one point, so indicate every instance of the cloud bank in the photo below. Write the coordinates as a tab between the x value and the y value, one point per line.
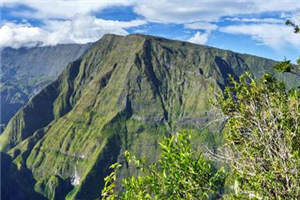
68	21
79	29
273	35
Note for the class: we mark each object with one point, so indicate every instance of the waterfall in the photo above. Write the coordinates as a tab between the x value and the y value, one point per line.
75	178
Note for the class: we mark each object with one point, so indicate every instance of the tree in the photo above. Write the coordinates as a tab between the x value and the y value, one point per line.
262	136
180	173
295	26
286	65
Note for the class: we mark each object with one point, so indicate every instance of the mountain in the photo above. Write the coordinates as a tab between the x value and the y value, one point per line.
125	93
25	71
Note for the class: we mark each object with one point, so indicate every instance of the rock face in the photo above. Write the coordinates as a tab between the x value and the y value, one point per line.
25	71
125	93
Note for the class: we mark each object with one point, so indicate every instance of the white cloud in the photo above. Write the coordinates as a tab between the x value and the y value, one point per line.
16	35
84	28
79	29
199	38
188	11
64	9
256	20
76	23
165	11
201	25
273	35
295	17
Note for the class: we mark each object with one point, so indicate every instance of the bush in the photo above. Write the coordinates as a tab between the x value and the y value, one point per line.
180	173
262	136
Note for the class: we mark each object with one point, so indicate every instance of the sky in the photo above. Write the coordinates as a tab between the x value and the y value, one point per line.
247	26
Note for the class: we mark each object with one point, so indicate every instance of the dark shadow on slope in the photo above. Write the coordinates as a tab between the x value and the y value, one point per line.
39	112
149	71
94	182
225	70
116	133
16	184
8	107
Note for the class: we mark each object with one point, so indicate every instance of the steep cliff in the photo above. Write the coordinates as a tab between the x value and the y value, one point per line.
125	93
25	71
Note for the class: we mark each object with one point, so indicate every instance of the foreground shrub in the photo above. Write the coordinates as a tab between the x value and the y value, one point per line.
180	173
262	136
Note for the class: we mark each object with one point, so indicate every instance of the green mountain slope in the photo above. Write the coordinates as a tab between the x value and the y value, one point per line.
25	71
125	93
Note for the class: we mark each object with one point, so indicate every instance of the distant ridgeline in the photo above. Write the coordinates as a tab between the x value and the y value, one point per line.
25	71
124	93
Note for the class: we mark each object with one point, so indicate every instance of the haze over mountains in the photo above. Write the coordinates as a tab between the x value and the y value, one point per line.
124	93
25	71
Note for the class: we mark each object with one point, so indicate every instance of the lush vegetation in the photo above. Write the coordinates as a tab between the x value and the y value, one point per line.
262	149
180	173
125	93
25	71
262	134
262	140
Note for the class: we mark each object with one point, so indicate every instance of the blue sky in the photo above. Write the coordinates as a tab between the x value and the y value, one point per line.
246	26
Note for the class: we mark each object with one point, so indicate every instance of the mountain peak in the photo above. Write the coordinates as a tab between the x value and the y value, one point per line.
125	93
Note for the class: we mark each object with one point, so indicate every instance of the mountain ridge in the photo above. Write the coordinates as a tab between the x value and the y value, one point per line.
25	71
125	93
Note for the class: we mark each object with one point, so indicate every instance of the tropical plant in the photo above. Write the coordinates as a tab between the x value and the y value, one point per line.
286	65
295	26
262	136
180	173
